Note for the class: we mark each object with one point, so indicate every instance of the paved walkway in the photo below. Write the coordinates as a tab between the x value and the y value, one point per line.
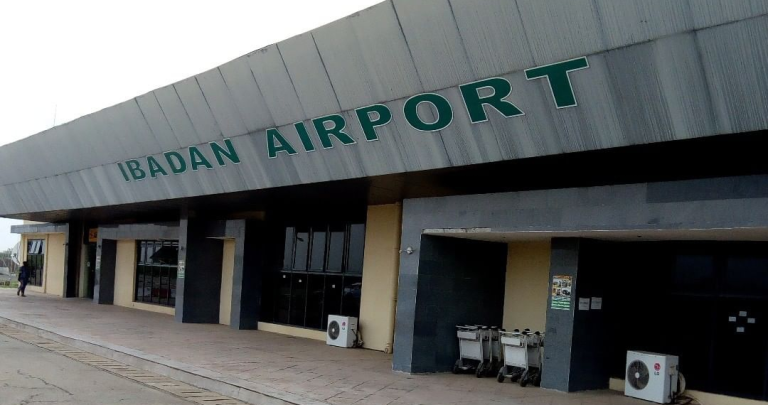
282	368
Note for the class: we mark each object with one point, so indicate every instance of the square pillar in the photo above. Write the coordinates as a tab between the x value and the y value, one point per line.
104	283
198	283
247	274
457	281
576	347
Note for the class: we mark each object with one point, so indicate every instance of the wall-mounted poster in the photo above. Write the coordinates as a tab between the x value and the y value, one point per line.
561	292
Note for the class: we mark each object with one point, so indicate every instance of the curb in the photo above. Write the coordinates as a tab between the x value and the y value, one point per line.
243	390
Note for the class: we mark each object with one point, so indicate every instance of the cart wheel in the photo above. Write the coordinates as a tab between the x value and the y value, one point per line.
456	367
524	379
480	371
500	375
515	376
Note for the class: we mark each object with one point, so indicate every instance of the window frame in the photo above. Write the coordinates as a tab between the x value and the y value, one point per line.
36	262
283	277
162	279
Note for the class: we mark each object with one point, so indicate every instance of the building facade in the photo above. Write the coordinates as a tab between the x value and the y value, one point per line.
425	164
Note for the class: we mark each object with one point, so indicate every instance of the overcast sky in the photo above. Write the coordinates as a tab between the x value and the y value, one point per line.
61	60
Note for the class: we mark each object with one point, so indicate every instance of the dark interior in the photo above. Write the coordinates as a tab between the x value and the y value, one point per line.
686	299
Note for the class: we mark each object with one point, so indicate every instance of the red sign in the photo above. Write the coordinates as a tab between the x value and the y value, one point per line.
657	366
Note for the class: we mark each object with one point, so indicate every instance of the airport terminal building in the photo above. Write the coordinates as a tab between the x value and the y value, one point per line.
425	164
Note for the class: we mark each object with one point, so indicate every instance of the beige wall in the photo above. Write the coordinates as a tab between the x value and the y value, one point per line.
527	285
227	271
125	266
381	265
53	266
125	271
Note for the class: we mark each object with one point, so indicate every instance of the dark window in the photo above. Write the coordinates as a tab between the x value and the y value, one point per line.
317	260
301	250
746	276
356	243
336	250
288	254
694	274
36	261
157	263
321	275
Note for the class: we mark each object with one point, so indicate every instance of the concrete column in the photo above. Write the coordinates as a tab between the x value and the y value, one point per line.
72	252
246	276
198	286
576	347
104	284
457	281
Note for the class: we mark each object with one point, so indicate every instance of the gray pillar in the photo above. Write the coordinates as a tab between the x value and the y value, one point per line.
198	286
576	346
458	281
72	252
104	283
559	334
247	274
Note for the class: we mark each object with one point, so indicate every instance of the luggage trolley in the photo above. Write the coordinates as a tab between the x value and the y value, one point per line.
496	355
522	357
474	349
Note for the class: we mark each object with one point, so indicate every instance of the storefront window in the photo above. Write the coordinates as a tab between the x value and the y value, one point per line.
156	266
321	275
36	261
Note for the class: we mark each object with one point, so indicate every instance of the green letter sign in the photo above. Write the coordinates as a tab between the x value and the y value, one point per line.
369	124
277	143
134	166
443	107
480	99
198	159
559	81
475	104
179	165
337	130
154	167
229	153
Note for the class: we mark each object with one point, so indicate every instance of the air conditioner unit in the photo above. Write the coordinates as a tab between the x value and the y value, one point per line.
651	376
342	331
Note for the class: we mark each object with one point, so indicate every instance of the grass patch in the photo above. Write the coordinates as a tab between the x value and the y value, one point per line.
9	284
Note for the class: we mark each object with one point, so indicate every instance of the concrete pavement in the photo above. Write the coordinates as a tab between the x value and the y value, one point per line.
30	375
261	367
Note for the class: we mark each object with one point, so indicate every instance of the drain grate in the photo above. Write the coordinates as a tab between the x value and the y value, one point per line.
156	381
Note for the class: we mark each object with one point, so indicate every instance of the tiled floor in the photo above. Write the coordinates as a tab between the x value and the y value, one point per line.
307	368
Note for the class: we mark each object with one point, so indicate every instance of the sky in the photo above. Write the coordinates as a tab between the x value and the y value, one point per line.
60	60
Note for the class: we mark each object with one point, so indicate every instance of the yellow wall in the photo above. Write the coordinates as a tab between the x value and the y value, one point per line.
125	271
381	264
527	285
703	398
227	270
53	266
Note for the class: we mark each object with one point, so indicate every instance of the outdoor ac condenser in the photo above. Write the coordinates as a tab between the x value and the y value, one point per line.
651	376
342	331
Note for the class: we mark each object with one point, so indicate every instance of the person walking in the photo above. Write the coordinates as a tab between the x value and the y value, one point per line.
23	279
